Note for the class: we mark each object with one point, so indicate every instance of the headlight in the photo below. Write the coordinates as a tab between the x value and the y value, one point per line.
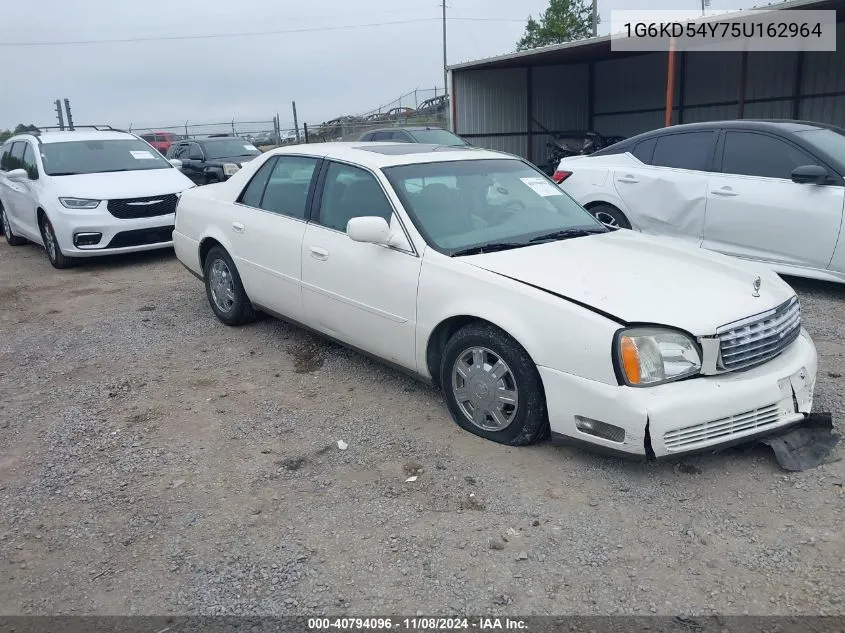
230	169
650	356
79	203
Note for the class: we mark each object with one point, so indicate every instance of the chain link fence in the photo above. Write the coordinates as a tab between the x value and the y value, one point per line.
427	107
421	107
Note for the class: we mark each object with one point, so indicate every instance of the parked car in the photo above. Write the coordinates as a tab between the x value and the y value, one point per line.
162	140
213	159
87	193
264	138
434	135
512	303
771	191
433	106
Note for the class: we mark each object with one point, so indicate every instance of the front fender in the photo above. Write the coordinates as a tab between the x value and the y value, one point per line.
556	333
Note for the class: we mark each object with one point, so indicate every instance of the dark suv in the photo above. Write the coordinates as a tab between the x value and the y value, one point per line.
215	159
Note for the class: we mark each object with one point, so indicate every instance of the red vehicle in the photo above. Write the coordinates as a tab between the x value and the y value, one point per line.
162	140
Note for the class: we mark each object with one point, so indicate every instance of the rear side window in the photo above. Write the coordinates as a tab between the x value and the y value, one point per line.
761	155
382	136
255	189
644	150
692	150
287	188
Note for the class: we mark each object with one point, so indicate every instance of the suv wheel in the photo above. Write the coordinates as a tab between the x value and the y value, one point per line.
51	245
11	238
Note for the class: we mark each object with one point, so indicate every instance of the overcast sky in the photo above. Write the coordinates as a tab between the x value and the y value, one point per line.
327	72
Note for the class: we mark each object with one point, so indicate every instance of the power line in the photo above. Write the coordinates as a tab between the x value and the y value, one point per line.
208	36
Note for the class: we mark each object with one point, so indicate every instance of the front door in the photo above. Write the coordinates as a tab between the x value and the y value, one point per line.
362	294
755	210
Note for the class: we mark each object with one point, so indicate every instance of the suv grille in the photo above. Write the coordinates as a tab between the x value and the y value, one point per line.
143	207
760	338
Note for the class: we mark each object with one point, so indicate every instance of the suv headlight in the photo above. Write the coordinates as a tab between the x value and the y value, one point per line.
79	203
230	169
650	356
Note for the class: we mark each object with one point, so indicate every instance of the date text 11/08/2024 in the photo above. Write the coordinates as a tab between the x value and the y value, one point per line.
417	624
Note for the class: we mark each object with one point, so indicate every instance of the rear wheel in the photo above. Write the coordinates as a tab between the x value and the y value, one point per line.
11	238
224	289
51	245
610	216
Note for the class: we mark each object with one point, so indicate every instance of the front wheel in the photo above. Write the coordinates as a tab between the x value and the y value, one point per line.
610	216
492	386
224	289
51	245
11	238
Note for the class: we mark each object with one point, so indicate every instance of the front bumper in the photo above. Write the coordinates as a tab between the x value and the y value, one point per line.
117	235
691	415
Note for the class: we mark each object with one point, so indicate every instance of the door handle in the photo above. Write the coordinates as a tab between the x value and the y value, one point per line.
319	253
725	191
630	179
237	227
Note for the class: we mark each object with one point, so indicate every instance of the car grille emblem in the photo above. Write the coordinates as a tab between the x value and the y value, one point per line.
143	203
756	284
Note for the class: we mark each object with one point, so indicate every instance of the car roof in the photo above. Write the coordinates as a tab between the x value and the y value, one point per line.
376	155
80	135
779	125
415	128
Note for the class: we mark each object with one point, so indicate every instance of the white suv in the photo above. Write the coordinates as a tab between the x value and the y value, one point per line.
87	192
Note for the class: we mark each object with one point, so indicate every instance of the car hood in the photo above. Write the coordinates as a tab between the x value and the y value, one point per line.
122	184
640	278
232	159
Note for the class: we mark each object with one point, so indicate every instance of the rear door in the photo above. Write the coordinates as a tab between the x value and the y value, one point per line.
666	193
267	232
755	210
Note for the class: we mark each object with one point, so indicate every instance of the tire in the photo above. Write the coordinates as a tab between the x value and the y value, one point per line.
224	289
526	420
610	216
11	238
51	245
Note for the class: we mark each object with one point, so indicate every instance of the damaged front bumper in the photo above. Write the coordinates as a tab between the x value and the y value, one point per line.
692	415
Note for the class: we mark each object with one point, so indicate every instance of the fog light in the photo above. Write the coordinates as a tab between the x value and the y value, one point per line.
600	429
87	239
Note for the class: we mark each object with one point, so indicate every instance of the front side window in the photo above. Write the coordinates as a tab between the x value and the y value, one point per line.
28	162
286	192
690	150
351	192
750	154
194	152
95	157
458	205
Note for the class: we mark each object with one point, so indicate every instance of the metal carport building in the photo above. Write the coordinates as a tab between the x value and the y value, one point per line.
504	102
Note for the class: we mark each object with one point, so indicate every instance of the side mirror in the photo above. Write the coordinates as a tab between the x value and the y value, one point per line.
17	174
371	229
176	163
810	175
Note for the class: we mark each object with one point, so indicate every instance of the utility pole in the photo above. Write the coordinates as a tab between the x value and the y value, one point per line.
59	114
704	3
596	17
295	121
69	116
445	73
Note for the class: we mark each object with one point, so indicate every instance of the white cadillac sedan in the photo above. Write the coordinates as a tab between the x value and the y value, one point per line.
474	271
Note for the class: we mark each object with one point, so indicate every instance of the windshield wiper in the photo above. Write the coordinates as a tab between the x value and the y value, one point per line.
65	173
565	234
488	248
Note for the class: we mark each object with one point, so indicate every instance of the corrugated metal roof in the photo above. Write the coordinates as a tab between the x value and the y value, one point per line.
596	48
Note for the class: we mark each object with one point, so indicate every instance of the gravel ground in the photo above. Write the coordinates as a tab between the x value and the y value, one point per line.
154	461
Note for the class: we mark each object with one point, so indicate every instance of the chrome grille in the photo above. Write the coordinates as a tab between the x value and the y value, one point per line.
688	437
759	338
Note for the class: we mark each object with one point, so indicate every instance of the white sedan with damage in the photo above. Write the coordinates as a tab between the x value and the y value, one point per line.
472	270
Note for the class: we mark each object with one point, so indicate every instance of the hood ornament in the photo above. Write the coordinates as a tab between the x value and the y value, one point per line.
756	285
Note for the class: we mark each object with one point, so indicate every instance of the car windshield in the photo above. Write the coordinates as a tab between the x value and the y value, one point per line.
229	147
487	204
99	156
438	137
830	142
